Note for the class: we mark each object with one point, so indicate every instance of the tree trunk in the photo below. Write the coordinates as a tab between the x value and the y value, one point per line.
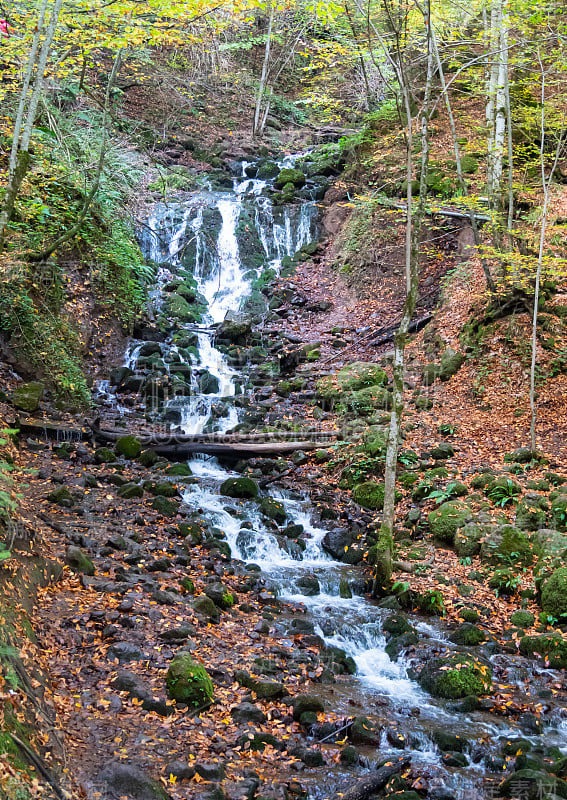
264	75
383	551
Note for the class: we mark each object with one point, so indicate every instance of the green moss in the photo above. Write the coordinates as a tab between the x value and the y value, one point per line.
239	488
468	635
522	619
273	509
469	615
371	495
167	508
455	676
181	470
128	446
130	490
554	594
551	647
188	682
447	519
288	175
104	455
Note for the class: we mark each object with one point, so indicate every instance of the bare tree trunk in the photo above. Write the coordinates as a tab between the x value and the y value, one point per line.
19	156
68	235
383	552
462	182
546	184
264	75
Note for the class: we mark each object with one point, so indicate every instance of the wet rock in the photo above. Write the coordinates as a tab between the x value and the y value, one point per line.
335	541
364	732
179	634
449	742
350	756
165	598
273	509
165	507
455	760
396	625
209	384
128	780
455	676
239	488
210	772
309	585
302	625
221	596
532	785
309	755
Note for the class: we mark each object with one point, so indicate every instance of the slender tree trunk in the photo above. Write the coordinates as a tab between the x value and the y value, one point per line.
546	184
19	157
68	235
461	177
383	554
264	75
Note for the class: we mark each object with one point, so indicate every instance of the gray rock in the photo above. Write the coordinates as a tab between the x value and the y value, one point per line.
130	781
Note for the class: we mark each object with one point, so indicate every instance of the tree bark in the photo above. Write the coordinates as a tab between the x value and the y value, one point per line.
372	783
264	75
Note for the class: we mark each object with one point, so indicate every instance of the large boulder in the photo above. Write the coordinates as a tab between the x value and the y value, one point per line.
551	647
27	396
188	682
554	594
455	676
369	495
507	545
335	542
273	509
468	539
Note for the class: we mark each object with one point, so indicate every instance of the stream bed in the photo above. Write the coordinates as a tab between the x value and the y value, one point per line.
229	241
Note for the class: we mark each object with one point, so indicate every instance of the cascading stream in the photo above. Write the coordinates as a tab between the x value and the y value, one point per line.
208	234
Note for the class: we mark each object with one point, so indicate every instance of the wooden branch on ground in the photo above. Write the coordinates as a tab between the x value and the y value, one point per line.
372	783
387	334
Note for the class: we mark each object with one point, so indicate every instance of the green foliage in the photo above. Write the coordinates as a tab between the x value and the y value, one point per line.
503	492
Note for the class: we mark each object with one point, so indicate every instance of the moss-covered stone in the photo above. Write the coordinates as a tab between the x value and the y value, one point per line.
529	518
306	702
167	508
551	647
27	396
289	175
468	635
61	497
130	490
104	455
369	495
455	676
507	545
204	606
239	488
522	619
188	682
467	539
447	519
273	509
396	624
179	470
554	594
128	446
161	488
148	458
559	512
79	561
532	785
263	689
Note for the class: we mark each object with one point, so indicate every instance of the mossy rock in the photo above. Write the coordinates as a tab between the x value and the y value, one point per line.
559	512
239	488
554	594
27	396
552	647
288	175
104	455
371	495
503	581
397	644
148	458
467	539
447	519
360	375
79	561
529	518
530	784
273	509
306	702
375	443
469	615
188	682
179	309
179	470
161	489
468	635
455	676
364	732
128	446
396	625
130	490
522	619
263	689
366	401
204	606
166	507
61	497
443	451
469	165
451	362
505	544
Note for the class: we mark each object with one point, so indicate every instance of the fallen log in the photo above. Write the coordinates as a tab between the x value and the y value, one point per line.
375	781
52	430
387	334
236	450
